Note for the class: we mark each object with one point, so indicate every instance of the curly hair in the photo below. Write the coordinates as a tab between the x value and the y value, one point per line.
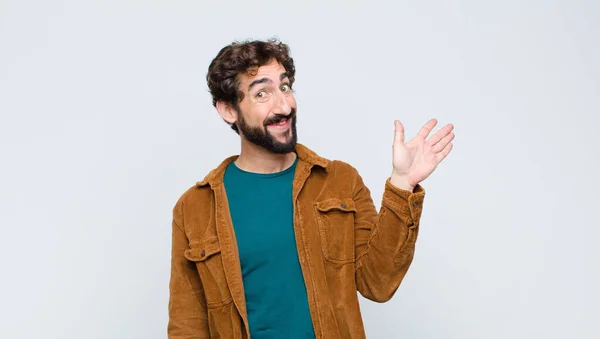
244	57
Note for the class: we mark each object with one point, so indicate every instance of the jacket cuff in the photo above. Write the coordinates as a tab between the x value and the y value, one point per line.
404	203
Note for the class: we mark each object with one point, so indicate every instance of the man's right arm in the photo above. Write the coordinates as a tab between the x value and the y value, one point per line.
187	303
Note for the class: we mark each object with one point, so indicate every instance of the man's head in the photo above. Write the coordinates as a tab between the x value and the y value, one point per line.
251	86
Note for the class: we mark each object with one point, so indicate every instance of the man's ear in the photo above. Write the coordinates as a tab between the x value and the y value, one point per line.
227	112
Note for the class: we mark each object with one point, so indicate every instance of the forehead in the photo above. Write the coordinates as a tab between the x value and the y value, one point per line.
271	70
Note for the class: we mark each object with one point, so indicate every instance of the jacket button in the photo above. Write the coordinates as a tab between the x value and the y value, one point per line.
202	253
415	204
343	205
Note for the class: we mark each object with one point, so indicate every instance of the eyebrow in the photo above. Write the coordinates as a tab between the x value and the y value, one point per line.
267	80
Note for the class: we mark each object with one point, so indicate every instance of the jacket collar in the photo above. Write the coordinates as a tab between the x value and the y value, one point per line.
305	154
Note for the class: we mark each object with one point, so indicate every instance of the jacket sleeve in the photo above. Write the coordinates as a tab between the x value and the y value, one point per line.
187	303
384	241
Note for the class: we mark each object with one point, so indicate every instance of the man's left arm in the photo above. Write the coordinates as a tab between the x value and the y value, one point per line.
385	241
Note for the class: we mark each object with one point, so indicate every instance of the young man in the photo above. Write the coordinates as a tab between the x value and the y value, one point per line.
275	242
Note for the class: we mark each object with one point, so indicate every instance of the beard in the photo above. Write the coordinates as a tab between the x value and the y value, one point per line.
260	135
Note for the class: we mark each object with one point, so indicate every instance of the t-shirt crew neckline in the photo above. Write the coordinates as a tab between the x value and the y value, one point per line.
266	175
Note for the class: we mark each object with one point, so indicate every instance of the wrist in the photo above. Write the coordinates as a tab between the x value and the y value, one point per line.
401	182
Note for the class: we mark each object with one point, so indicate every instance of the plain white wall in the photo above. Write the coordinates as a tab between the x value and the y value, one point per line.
106	120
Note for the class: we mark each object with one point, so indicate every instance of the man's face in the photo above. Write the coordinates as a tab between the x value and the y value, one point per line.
267	114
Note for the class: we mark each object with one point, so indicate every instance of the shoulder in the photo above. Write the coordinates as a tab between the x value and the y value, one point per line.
332	166
198	193
341	168
192	196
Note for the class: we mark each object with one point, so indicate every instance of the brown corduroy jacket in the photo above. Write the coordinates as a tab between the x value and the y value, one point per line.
343	245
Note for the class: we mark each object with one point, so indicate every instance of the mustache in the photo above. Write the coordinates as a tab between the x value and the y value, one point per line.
278	117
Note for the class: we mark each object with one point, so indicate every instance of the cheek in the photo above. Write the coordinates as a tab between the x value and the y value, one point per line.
258	114
263	113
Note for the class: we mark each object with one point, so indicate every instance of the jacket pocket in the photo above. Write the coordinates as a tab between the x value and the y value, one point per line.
206	254
335	217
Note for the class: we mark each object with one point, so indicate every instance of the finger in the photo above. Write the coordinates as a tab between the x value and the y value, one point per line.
444	153
398	132
426	129
438	147
439	135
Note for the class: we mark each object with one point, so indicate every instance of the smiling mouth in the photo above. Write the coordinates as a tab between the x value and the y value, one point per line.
280	123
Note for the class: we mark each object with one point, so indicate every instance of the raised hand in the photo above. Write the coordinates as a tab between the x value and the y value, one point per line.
415	160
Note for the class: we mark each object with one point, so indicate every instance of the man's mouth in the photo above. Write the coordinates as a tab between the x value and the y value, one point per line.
281	122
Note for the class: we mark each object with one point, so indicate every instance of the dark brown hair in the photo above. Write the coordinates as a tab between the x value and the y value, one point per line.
244	57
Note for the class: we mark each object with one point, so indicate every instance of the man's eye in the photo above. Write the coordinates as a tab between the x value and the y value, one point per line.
285	88
261	94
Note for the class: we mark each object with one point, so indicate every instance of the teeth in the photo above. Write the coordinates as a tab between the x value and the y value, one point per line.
281	122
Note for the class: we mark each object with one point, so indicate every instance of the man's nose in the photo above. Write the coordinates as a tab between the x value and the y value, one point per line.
282	105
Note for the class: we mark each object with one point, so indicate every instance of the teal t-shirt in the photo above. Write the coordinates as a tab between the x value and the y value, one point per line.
262	213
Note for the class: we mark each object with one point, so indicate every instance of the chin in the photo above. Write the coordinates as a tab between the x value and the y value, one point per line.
284	140
284	147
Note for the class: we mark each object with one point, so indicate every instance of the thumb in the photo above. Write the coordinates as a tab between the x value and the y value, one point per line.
398	132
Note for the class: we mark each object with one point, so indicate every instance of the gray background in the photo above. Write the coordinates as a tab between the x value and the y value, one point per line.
106	121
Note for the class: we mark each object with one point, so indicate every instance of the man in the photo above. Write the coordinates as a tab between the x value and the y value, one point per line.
275	242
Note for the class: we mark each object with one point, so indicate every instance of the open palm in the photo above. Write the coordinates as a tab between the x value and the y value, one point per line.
417	159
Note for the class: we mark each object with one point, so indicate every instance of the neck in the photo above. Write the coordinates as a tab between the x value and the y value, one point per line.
256	159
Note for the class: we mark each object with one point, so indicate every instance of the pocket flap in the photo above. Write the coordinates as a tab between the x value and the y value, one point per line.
344	204
202	250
